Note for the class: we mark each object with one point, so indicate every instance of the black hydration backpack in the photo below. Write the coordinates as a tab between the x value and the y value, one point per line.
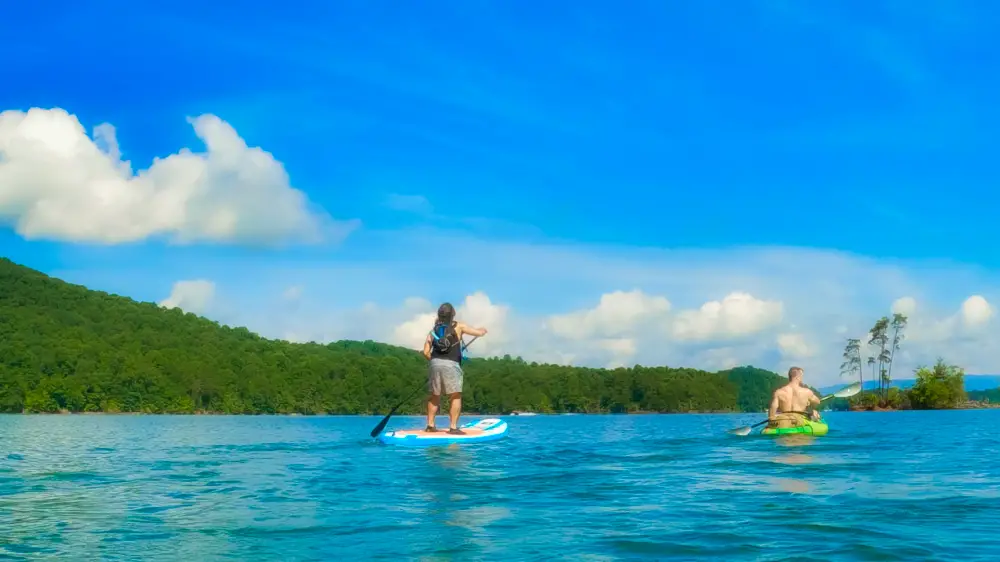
445	337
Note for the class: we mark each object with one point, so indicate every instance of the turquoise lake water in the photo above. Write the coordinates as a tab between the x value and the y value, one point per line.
880	486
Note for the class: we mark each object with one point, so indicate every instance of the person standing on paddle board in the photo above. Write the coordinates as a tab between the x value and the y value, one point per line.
443	348
793	397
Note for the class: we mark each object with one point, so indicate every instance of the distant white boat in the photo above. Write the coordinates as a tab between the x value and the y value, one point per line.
516	413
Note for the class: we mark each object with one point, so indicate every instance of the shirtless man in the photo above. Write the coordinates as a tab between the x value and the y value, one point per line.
793	397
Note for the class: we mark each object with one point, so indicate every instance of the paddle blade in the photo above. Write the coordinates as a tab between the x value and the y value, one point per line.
741	431
847	391
381	425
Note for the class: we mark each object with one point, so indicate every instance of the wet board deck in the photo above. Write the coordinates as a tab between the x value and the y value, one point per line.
482	431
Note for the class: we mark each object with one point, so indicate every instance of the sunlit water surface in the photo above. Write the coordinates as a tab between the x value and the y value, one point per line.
880	486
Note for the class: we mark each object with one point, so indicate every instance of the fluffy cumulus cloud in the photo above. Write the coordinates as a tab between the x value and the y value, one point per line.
906	306
794	346
976	311
58	183
626	328
617	314
972	317
191	296
738	314
621	329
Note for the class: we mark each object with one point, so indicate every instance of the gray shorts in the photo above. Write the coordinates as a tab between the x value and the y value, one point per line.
444	376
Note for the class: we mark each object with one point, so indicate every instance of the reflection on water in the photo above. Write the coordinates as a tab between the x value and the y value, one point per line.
795	440
454	496
795	459
451	457
792	485
799	485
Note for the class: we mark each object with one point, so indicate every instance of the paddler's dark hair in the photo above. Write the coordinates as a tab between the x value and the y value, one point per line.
793	371
446	313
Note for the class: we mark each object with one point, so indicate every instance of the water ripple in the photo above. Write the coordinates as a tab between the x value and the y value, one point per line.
892	486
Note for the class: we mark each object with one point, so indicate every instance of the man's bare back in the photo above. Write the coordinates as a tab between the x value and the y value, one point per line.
793	397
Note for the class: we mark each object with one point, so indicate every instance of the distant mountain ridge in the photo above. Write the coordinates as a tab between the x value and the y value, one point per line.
972	383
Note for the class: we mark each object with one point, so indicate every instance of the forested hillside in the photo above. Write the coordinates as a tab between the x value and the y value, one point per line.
66	348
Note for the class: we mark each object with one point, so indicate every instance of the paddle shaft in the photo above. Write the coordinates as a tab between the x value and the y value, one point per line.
381	425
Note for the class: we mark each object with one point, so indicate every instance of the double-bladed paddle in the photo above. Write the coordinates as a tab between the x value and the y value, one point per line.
845	392
381	425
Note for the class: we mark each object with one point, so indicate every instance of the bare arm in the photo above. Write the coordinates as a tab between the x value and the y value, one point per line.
427	347
772	410
814	399
463	329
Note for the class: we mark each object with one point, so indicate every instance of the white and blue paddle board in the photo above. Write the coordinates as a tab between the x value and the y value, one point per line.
482	431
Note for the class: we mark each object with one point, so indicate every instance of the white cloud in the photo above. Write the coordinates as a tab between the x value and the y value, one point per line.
579	340
906	306
57	183
970	320
794	346
193	296
976	311
621	351
616	314
751	334
412	332
625	327
738	314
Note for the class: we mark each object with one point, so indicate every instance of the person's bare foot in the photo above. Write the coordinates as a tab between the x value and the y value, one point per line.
456	431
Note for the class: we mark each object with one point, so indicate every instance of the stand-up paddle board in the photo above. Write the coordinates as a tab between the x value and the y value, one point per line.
481	431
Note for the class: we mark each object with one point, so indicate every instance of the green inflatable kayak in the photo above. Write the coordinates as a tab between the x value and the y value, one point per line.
804	426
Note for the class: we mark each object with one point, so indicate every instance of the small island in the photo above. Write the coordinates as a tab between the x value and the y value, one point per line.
941	386
67	349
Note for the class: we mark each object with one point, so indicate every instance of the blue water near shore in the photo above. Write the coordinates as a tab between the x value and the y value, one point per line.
880	486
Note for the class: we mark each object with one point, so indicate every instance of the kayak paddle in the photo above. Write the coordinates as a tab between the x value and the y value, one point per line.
381	425
845	392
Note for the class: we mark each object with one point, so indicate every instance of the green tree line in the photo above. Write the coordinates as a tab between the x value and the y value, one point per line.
66	348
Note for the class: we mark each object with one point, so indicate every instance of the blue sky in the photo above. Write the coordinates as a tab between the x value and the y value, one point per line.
520	150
